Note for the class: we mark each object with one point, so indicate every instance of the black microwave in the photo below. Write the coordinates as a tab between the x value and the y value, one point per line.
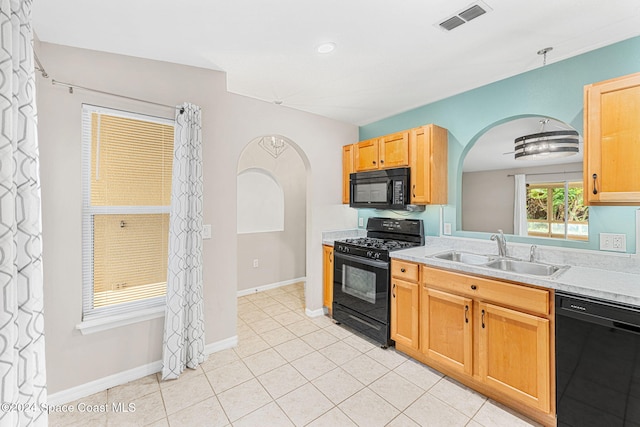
380	189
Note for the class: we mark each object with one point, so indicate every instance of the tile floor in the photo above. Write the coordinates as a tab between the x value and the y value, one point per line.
291	370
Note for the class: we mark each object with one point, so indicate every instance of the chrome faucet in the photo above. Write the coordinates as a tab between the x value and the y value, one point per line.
502	243
532	253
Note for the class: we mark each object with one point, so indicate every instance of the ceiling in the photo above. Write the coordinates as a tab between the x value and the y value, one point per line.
494	150
390	56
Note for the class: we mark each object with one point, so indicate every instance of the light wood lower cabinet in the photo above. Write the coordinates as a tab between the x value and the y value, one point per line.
493	336
405	303
327	277
446	322
514	354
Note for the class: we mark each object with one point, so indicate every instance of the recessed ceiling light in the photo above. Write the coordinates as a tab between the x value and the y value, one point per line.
326	47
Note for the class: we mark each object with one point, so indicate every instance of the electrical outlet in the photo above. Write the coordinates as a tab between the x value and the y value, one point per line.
255	263
206	231
447	229
613	242
360	222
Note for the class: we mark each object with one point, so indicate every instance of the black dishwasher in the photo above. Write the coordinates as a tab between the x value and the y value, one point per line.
597	362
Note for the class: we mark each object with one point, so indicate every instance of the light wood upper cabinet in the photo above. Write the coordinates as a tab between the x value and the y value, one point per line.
423	149
394	150
347	170
327	277
367	156
389	151
515	355
446	329
612	141
428	154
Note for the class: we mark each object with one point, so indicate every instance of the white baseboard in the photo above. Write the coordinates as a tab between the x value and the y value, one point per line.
314	313
270	286
101	384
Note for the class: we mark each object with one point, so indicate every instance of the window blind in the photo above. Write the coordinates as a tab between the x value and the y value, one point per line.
127	162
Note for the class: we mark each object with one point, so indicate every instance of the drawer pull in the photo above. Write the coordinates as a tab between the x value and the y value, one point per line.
474	287
466	310
482	319
403	270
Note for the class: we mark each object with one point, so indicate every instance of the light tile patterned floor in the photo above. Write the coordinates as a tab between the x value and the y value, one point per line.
291	370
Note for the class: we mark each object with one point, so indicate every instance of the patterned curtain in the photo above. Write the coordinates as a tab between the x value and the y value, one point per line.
22	366
184	323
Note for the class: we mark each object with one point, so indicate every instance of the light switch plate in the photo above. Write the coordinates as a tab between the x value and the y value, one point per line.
206	231
360	222
447	229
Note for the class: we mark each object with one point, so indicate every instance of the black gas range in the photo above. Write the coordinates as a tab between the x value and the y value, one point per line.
362	274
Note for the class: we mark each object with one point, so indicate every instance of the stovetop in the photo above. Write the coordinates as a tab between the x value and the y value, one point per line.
381	244
383	236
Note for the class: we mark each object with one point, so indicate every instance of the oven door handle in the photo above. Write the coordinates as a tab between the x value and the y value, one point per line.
361	260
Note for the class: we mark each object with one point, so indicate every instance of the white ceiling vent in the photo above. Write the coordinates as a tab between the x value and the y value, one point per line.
465	15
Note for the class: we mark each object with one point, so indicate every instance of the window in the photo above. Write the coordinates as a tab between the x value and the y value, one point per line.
556	210
127	161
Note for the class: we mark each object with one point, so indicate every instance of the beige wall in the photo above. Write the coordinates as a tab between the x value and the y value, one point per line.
229	122
281	254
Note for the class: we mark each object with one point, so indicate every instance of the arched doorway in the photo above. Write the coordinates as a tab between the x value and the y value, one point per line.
272	214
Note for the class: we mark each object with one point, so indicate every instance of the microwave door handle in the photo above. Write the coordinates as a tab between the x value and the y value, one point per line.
390	192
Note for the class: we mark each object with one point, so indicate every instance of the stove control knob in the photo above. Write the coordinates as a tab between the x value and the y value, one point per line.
369	254
377	255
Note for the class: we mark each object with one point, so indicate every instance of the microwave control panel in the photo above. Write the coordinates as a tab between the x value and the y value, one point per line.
398	196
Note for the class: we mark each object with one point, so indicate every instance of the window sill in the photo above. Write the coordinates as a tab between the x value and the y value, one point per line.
104	323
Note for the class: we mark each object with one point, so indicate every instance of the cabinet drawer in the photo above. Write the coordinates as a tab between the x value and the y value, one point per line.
408	271
512	295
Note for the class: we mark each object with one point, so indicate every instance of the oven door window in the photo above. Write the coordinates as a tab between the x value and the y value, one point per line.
362	285
375	192
359	283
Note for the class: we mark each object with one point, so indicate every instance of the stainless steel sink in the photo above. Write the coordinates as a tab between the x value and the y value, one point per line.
465	257
524	267
510	265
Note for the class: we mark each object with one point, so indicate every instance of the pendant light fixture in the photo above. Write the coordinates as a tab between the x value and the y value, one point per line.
559	143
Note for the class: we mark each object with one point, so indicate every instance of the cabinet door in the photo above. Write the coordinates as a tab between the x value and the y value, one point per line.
514	354
447	329
366	155
394	150
327	267
612	141
405	300
347	169
428	161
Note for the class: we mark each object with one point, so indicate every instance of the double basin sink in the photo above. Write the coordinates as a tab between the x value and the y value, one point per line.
511	265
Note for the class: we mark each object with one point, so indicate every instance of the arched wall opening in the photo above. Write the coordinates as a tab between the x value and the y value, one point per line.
270	255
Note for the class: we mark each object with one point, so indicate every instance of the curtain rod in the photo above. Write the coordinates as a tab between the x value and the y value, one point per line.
72	87
547	173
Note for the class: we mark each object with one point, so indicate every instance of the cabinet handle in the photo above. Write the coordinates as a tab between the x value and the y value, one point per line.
374	162
466	310
595	189
403	270
393	294
414	190
474	287
482	319
381	161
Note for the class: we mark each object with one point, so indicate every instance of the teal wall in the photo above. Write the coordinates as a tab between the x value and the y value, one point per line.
555	90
